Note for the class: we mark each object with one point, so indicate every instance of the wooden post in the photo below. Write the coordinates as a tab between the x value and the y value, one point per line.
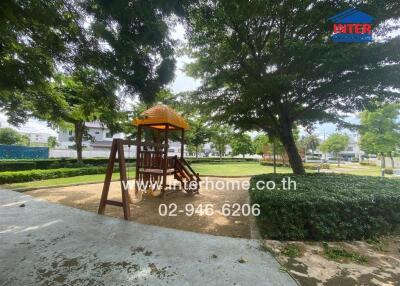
273	147
164	183
124	180
107	180
138	149
182	143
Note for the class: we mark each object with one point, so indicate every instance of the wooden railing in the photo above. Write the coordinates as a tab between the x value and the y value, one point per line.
155	160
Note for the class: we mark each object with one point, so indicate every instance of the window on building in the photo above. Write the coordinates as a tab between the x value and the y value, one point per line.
97	132
350	149
70	132
108	135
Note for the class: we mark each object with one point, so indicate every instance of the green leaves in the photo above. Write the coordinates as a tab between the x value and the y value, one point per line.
269	65
335	143
9	136
380	130
241	144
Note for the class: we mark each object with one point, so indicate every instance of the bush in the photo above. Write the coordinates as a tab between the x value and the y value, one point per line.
217	160
367	163
43	164
389	171
11	166
271	163
313	166
328	207
33	175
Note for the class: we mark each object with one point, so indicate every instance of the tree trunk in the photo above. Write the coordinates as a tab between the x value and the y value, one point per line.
243	156
383	164
391	159
289	143
197	152
79	128
338	159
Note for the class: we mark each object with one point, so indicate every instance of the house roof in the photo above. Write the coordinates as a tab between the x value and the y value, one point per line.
351	16
159	115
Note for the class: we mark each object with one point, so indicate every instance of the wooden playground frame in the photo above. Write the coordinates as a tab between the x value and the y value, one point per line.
151	166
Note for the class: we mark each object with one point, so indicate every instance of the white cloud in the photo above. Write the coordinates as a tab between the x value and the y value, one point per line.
32	126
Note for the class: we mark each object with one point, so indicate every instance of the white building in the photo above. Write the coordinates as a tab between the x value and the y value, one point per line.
38	138
352	152
100	137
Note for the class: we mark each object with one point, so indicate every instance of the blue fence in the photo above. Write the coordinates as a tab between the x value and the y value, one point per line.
23	152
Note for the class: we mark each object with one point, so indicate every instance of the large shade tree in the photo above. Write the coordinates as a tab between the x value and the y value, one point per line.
83	96
128	41
269	65
34	36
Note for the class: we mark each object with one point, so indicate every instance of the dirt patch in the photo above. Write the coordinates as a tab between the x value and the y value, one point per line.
146	211
312	263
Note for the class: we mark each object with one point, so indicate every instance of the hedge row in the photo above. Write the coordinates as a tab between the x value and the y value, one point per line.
310	166
43	164
33	175
217	160
22	165
328	207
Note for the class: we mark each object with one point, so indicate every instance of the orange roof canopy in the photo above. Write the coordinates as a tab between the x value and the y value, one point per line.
160	115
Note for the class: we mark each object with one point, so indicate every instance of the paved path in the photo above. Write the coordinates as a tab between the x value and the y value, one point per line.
50	244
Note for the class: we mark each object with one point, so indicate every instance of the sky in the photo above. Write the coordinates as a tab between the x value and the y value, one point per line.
181	82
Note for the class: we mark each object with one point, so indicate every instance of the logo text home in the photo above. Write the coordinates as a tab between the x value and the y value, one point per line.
352	26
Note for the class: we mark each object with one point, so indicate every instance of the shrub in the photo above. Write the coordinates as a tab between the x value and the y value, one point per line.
313	166
217	160
367	163
43	164
271	163
11	166
389	171
328	207
26	176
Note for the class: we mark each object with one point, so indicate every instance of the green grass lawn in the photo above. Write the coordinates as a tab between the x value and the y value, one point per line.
357	169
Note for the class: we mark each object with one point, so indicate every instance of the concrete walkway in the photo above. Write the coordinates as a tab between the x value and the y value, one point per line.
50	244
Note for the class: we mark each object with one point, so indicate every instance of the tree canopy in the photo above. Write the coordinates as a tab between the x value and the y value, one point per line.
380	130
241	144
335	144
269	65
9	136
124	41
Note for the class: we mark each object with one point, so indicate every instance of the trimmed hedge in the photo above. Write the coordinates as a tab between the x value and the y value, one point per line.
11	166
328	207
217	160
310	166
271	163
33	175
43	164
313	166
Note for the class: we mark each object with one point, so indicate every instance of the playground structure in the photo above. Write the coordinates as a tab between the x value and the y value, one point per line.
153	165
